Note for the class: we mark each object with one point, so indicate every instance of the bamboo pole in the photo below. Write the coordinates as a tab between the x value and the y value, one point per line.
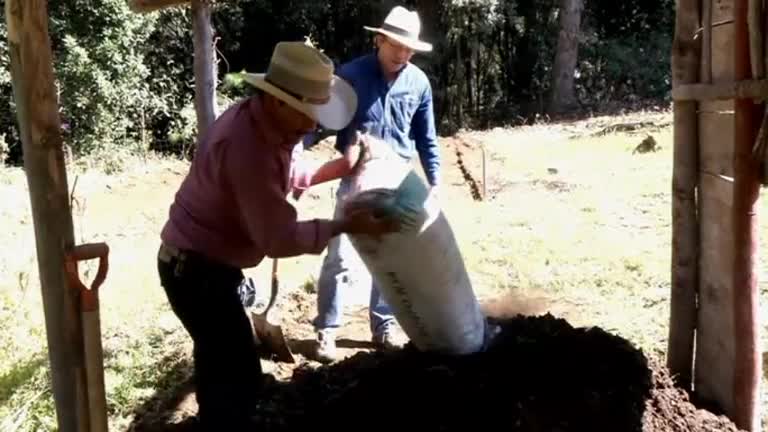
746	192
39	124
685	226
205	77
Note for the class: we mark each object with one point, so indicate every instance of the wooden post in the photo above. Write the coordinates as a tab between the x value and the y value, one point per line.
39	124
205	76
746	192
682	323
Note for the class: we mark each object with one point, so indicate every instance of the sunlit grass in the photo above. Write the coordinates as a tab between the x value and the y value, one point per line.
573	219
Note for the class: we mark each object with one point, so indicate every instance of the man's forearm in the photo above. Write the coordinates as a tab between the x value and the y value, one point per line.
331	171
431	166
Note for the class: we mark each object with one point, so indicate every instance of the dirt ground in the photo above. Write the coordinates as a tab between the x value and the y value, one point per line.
541	374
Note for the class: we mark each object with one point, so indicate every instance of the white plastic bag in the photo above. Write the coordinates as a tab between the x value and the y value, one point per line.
420	270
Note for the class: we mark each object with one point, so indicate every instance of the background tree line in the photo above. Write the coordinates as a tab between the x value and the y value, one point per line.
126	81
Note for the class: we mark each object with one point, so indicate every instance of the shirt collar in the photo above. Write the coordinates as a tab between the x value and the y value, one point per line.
264	124
374	63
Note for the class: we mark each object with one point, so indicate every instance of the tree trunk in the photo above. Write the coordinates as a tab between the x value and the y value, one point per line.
476	75
460	75
429	11
469	73
40	128
563	98
432	19
527	56
205	66
507	54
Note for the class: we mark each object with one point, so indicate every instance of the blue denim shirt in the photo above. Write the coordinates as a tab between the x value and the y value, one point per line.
401	113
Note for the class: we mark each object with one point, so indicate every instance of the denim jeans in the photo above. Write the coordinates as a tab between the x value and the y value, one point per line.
342	271
227	367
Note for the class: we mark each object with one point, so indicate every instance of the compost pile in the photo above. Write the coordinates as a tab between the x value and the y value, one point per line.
541	374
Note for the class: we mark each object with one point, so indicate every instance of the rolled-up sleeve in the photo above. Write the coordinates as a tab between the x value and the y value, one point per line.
272	222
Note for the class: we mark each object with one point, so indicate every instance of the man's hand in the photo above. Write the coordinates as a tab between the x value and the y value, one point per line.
357	154
297	193
361	220
434	192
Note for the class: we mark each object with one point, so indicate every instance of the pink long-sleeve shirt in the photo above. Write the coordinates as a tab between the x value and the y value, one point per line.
232	205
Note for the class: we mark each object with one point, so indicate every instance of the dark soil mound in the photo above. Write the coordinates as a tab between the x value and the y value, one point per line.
541	374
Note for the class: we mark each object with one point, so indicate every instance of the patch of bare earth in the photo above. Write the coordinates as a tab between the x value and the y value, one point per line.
539	374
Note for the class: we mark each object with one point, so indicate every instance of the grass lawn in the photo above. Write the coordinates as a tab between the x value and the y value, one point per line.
573	223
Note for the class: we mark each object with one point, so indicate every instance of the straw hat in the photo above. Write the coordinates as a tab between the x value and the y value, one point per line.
303	77
403	26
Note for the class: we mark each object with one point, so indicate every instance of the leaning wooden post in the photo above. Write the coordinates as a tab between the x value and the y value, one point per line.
685	225
746	193
205	76
39	124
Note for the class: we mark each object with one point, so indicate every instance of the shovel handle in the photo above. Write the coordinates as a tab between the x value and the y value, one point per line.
274	287
84	252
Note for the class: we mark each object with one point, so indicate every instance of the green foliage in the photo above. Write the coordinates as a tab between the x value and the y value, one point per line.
104	81
8	132
5	66
625	52
625	69
169	58
126	80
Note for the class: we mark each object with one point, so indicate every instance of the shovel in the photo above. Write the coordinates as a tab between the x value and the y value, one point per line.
89	310
270	334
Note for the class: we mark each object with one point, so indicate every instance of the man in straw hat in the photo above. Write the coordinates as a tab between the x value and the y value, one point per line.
231	211
395	105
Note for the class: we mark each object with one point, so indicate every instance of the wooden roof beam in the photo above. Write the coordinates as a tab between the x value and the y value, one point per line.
743	89
146	6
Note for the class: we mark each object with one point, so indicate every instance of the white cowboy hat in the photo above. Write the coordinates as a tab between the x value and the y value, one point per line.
303	77
403	26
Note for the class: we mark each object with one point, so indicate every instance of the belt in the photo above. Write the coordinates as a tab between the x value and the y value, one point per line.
168	253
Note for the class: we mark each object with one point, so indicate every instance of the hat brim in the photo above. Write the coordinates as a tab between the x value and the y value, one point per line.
333	115
414	44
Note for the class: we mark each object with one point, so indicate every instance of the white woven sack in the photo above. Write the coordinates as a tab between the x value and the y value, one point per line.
420	269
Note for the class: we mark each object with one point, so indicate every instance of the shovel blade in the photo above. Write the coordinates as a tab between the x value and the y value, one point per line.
272	339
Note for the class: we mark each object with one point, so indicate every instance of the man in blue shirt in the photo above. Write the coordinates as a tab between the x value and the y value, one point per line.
395	105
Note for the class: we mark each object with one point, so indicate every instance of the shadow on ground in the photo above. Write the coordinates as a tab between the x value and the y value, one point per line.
19	374
172	407
306	347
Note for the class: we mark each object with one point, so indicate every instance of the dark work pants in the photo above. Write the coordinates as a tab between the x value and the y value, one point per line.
228	375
